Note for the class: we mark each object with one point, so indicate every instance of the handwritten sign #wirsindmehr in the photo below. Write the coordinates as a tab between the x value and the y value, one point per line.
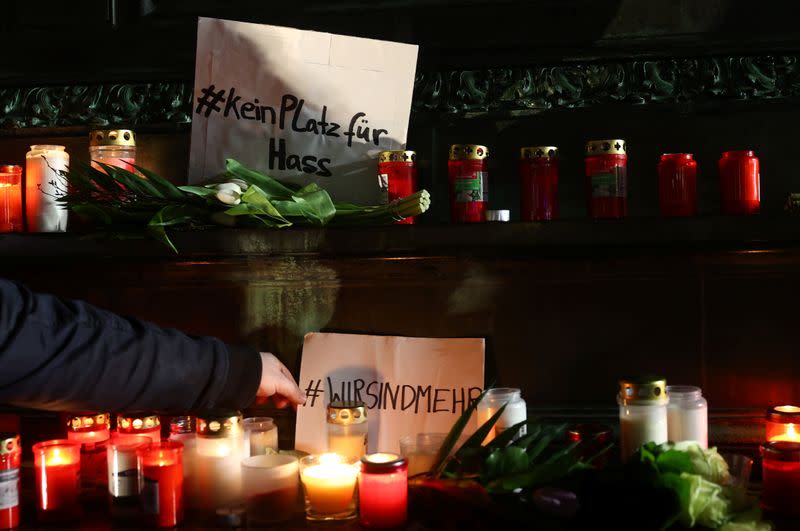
408	385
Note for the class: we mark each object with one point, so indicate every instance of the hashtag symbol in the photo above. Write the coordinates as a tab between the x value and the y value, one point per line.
313	392
209	100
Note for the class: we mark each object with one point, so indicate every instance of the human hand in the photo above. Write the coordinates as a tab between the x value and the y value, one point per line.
277	383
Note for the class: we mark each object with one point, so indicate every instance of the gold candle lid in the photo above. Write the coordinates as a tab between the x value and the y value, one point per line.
397	156
539	152
88	421
643	391
615	146
219	423
112	137
468	152
131	422
347	412
9	443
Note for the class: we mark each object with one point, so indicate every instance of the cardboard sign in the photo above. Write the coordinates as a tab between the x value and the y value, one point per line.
409	385
300	106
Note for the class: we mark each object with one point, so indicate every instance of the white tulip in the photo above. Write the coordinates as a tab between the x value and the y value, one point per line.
229	187
229	197
240	183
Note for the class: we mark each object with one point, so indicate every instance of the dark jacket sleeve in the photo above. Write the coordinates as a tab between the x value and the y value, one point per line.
69	355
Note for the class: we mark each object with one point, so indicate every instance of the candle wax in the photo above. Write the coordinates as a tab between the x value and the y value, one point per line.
58	484
260	441
420	461
789	434
330	487
353	445
162	490
383	499
10	207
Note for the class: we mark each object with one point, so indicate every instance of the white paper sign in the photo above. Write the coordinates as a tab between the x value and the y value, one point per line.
410	385
300	106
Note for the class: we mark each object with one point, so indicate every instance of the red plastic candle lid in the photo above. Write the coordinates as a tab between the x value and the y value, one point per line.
784	414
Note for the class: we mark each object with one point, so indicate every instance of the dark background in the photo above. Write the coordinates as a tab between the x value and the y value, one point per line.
564	319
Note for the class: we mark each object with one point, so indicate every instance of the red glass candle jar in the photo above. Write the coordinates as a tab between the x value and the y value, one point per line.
781	477
468	172
397	176
677	184
92	431
145	424
10	458
383	491
594	438
740	182
538	173
10	198
783	423
606	178
161	470
58	477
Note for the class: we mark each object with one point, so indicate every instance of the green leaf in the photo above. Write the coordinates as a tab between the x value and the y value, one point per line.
675	461
505	461
167	188
507	436
257	202
202	191
453	436
540	444
270	186
477	438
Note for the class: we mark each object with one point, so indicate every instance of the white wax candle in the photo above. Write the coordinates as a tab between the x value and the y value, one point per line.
351	445
42	183
330	487
260	441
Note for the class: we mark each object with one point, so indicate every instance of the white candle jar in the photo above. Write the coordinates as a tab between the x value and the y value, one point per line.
217	467
43	184
687	414
260	436
516	411
347	428
642	413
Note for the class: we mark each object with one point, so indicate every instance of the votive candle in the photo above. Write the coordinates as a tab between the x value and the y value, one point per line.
161	467
10	198
383	490
10	461
783	423
123	474
781	477
43	184
132	424
270	485
329	482
91	430
260	436
57	464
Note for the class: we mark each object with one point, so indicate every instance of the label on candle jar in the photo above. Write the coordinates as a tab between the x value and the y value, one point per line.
150	496
383	185
124	483
9	488
609	184
471	188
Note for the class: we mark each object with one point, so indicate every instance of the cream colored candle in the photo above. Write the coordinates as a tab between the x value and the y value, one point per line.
351	444
43	184
329	482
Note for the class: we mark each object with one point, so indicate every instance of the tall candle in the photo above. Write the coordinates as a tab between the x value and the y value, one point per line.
218	470
123	474
57	464
383	491
329	482
10	460
144	423
43	183
781	477
10	198
91	430
162	482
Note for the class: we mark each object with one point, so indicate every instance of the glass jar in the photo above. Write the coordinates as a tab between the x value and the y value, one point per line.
10	460
161	471
43	184
182	430
642	413
606	178
538	173
260	436
468	173
57	465
145	424
10	198
347	428
687	414
114	147
516	411
383	491
217	468
397	176
677	184
123	475
783	423
92	431
593	438
781	477
740	182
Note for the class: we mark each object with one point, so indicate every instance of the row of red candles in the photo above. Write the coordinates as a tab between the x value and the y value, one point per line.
605	181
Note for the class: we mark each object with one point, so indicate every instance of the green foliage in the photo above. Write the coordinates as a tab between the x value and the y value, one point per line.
124	202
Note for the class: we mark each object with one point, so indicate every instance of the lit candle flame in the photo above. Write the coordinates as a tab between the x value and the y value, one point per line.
789	435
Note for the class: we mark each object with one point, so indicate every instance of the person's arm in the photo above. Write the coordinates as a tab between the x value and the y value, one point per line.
64	354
